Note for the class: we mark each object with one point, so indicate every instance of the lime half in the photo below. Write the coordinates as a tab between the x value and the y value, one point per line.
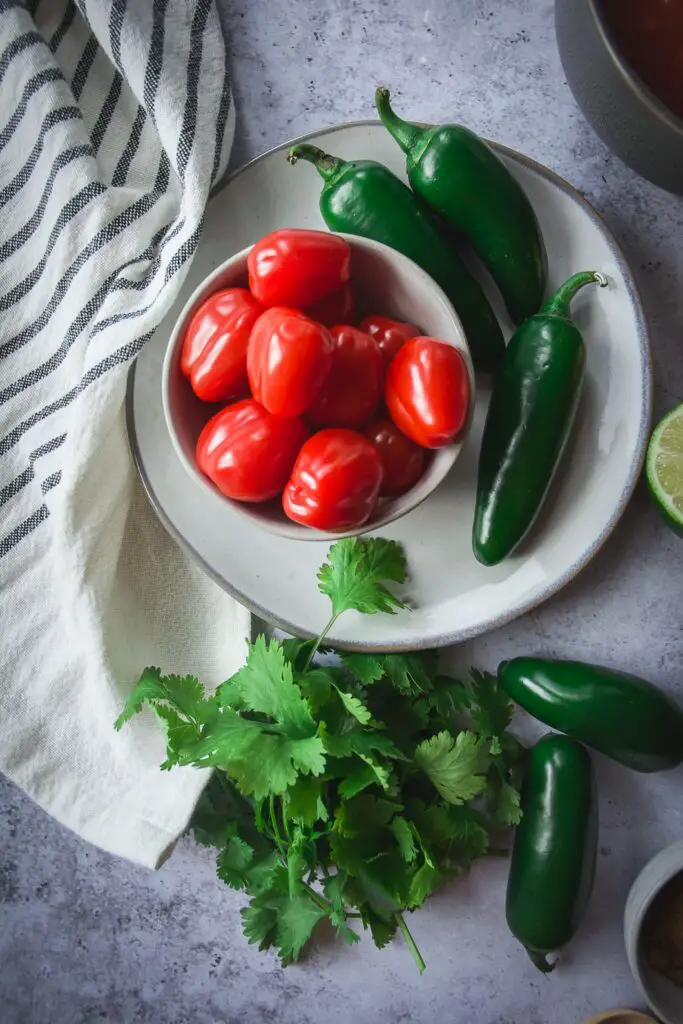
665	468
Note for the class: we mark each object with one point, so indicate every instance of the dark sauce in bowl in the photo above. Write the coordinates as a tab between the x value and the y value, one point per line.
649	34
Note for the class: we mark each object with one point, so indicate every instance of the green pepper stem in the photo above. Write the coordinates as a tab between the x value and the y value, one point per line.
406	134
541	961
327	166
559	303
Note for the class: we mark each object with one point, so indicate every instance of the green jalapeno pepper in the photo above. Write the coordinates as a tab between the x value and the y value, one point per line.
622	716
555	850
529	419
466	182
362	197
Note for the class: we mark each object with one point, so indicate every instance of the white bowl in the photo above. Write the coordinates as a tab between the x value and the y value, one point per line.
665	998
384	282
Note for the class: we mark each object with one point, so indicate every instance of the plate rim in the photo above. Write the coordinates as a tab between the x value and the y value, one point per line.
455	636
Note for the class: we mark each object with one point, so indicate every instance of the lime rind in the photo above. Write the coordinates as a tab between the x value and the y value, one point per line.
664	468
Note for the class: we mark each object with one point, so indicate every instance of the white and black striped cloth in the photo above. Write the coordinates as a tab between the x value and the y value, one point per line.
115	123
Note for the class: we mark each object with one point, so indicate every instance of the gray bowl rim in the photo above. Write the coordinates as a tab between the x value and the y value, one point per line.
454	636
630	76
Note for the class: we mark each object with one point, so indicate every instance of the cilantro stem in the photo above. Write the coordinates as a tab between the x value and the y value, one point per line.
276	831
286	826
410	942
322	903
316	646
325	904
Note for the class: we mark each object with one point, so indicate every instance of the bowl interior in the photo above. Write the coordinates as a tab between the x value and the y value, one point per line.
384	282
665	998
641	88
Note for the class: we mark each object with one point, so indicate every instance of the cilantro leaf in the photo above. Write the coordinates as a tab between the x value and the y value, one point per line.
217	808
492	709
261	757
260	762
382	930
266	685
355	573
321	685
317	686
451	836
229	694
261	873
383	883
303	801
382	774
449	697
354	706
411	674
184	694
179	734
233	860
469	838
363	815
423	883
367	668
506	804
404	837
296	651
297	918
273	918
457	768
363	774
259	923
363	742
333	887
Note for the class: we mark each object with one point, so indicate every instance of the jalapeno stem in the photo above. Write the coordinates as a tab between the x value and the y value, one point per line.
559	303
406	134
540	960
327	166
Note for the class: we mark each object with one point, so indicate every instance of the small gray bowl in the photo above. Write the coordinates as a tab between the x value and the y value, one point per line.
621	109
665	998
384	281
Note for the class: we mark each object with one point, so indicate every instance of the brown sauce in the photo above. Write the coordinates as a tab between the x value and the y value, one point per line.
662	935
649	33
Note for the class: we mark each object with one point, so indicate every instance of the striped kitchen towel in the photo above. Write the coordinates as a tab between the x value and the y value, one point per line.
115	123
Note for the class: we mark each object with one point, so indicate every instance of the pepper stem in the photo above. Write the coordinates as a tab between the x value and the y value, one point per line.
559	303
326	165
541	961
406	134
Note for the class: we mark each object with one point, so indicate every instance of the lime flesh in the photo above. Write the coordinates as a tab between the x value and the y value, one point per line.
665	468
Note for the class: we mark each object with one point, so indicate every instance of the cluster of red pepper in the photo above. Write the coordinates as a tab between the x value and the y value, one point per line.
315	428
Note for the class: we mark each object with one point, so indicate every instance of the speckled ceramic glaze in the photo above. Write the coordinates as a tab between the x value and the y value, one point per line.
626	115
384	281
452	596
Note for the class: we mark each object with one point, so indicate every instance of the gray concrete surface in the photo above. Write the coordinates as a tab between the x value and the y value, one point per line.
85	937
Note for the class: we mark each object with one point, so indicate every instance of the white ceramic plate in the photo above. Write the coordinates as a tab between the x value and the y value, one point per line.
453	597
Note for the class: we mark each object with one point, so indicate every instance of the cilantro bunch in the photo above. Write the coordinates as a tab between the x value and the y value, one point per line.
347	791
